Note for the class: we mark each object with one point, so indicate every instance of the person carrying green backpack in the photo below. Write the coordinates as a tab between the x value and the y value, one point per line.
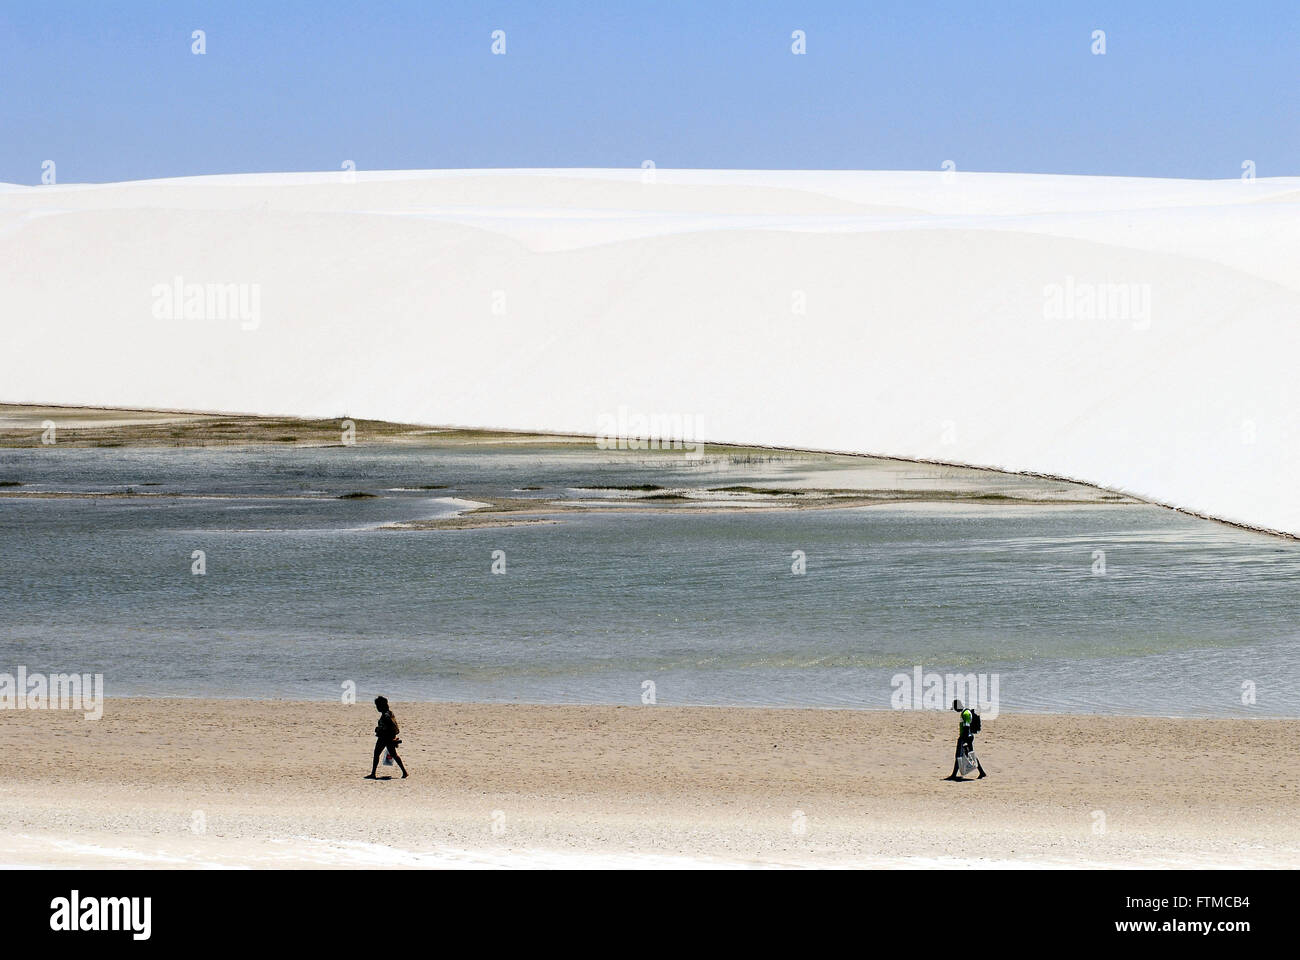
966	730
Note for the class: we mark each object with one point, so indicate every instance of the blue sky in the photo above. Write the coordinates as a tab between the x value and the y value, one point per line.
112	91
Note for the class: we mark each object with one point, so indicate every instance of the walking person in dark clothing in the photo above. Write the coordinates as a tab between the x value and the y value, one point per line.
385	737
965	741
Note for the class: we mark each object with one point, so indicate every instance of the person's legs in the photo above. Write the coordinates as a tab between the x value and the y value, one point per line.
393	750
374	764
961	743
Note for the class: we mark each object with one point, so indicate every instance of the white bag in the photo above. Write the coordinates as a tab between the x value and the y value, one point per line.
388	758
966	761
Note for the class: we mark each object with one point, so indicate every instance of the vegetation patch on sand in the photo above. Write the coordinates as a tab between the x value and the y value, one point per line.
639	486
759	491
23	425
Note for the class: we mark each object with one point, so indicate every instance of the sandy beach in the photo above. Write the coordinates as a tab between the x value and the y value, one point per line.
237	783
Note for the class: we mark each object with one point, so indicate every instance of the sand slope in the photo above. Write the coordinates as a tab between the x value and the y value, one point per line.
906	314
280	784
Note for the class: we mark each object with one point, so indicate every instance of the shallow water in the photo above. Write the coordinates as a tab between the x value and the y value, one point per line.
303	594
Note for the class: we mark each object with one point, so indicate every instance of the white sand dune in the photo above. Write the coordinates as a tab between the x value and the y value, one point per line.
905	314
